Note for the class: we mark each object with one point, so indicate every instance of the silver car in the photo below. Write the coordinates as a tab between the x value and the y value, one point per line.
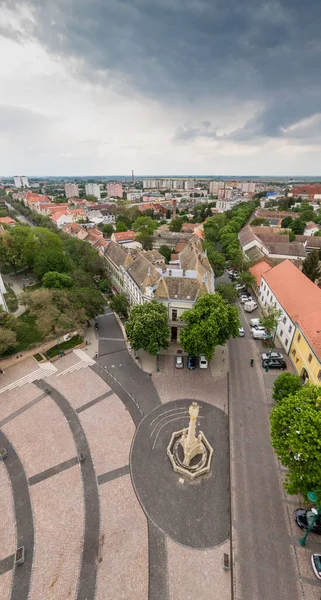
266	355
179	362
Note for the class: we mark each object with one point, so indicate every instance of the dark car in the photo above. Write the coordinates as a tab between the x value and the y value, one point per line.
274	363
316	564
191	362
304	517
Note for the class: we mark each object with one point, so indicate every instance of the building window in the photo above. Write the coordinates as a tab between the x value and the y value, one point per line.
284	319
310	357
290	328
174	314
294	352
264	287
274	304
281	333
299	337
286	341
319	375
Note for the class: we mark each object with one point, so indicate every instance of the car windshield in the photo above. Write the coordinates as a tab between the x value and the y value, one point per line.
317	561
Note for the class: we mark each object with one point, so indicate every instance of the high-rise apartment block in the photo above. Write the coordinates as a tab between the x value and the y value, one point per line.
93	189
215	186
21	181
114	190
71	190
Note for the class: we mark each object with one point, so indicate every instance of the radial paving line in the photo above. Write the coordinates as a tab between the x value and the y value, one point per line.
23	518
158	588
88	570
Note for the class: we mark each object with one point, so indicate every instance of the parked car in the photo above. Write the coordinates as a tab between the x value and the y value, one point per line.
258	328
191	362
244	299
316	564
203	362
244	293
274	363
265	355
179	362
232	273
240	287
303	518
259	334
241	332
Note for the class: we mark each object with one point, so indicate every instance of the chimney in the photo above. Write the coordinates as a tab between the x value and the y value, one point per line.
174	208
184	272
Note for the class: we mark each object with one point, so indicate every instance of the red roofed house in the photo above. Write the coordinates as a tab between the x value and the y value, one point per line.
285	287
8	221
123	237
257	271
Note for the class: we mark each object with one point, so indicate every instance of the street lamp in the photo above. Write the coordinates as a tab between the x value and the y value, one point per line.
272	345
313	496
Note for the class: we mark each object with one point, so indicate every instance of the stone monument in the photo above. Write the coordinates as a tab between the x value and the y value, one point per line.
190	454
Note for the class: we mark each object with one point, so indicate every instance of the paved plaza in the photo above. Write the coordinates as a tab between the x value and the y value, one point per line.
88	490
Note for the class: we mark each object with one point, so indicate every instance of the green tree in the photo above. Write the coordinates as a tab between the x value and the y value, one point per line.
286	222
227	291
147	327
60	281
311	266
105	286
90	198
8	339
120	226
213	226
145	225
88	299
296	438
216	259
51	259
246	278
176	224
107	230
166	251
286	384
210	323
145	239
119	304
260	221
270	318
11	248
297	226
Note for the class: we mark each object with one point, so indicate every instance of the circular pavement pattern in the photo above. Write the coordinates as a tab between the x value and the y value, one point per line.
193	513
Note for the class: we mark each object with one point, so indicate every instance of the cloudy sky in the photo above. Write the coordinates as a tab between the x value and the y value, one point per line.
211	87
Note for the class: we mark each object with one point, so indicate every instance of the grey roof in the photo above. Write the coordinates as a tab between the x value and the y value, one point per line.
181	288
310	241
116	253
290	249
141	269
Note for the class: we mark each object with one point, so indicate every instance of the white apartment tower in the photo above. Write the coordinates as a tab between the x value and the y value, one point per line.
21	181
71	190
93	189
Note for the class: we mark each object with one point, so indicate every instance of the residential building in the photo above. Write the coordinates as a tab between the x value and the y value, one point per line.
169	238
306	192
93	189
20	181
257	271
285	287
8	221
262	242
311	228
305	351
3	291
71	189
114	190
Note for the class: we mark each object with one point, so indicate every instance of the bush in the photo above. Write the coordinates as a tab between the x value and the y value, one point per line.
286	384
55	350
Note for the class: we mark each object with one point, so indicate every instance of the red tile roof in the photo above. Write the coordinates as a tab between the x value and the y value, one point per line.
309	327
7	221
295	292
124	236
258	270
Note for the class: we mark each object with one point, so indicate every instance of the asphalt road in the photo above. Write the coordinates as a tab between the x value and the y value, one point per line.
264	552
115	358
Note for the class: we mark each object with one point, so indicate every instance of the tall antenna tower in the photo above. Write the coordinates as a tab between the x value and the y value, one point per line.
133	177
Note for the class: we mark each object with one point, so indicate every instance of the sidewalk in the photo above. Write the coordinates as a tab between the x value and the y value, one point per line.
91	337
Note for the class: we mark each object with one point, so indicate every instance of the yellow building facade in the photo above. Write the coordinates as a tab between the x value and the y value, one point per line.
304	357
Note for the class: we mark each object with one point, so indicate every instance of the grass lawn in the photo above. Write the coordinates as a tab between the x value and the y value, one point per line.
11	299
55	350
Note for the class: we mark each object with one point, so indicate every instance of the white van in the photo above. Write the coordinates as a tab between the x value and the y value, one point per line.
250	306
254	322
203	362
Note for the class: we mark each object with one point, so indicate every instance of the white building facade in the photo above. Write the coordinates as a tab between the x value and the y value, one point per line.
286	327
93	189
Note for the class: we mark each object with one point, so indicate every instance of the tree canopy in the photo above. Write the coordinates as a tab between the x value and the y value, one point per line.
227	291
60	281
286	384
311	266
296	438
166	251
119	303
147	327
210	323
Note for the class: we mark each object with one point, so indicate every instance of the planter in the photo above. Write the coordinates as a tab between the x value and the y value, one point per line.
19	557
3	453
